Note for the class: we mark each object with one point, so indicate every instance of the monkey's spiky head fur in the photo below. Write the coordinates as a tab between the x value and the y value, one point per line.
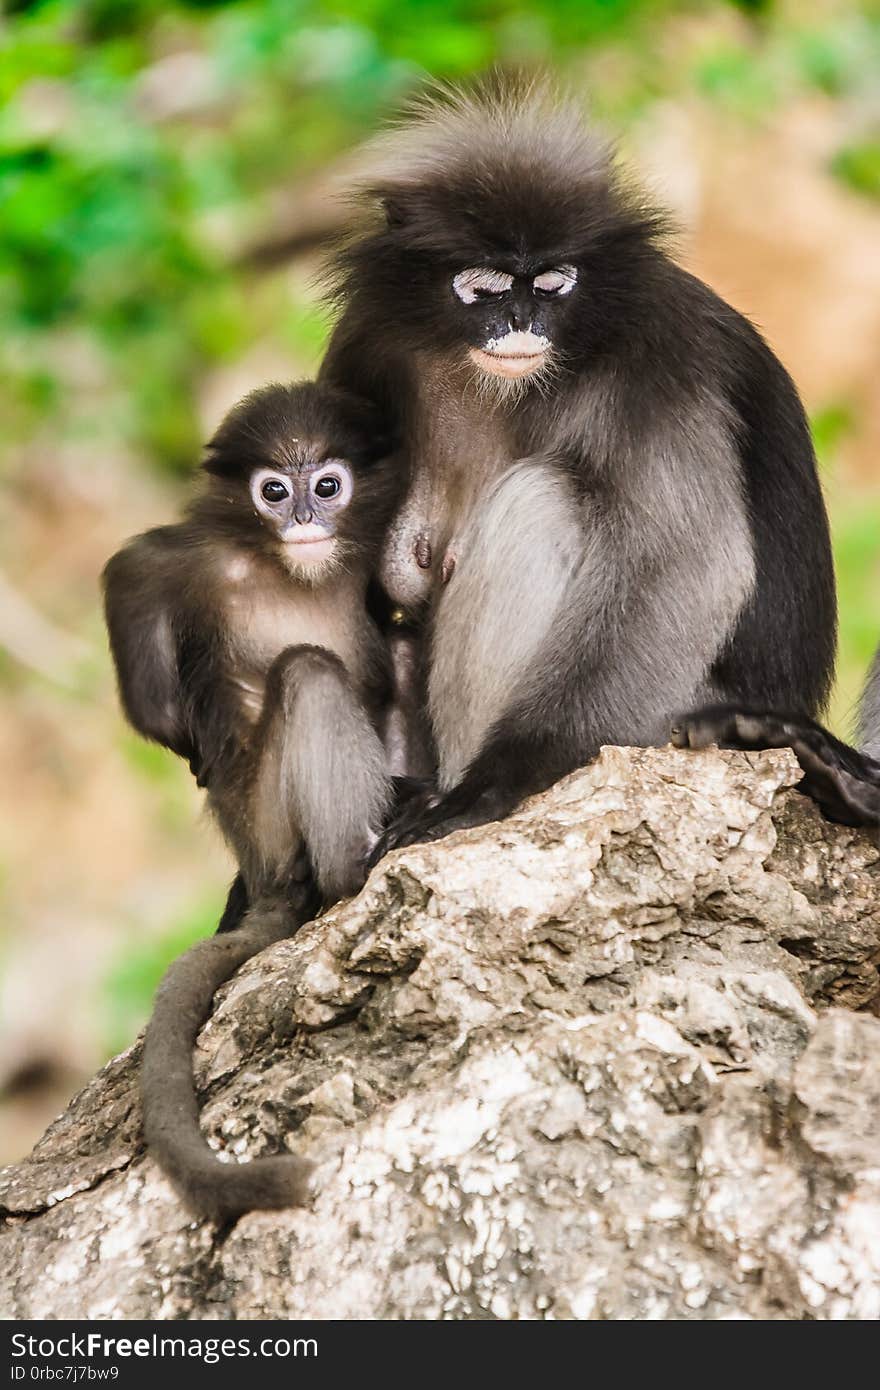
507	177
497	171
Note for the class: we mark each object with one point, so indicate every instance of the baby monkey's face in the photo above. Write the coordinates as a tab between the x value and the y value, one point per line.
303	505
304	473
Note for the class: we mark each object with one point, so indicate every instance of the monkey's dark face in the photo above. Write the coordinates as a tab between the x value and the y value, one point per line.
511	320
304	507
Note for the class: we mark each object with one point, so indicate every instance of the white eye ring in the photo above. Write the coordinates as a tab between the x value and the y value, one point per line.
470	284
258	482
333	468
561	280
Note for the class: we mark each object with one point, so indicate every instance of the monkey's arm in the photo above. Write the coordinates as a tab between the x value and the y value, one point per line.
844	783
167	650
139	611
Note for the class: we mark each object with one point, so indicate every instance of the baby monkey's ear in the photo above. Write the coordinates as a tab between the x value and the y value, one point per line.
216	462
222	461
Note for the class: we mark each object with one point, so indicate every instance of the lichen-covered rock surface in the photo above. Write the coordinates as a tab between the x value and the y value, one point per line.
616	1057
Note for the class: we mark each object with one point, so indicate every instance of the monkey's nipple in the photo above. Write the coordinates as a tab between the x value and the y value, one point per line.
422	551
447	569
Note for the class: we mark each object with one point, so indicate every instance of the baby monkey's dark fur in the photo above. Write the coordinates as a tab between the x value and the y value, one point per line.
242	642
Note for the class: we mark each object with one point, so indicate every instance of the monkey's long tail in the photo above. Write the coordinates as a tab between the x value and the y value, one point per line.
209	1187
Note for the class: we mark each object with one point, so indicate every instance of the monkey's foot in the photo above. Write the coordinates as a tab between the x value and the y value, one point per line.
404	827
432	816
844	783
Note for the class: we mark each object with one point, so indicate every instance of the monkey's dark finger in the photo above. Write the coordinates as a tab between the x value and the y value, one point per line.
392	838
404	829
304	901
429	830
701	728
727	729
401	832
379	850
435	823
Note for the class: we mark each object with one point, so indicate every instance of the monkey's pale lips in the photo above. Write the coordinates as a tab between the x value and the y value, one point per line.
307	544
514	355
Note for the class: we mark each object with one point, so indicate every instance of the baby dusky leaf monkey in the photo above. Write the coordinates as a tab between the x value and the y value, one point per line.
242	642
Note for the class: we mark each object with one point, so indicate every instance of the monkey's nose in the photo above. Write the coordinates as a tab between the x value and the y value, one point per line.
520	320
303	515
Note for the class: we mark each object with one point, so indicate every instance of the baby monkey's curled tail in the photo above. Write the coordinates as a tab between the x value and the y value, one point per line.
221	1191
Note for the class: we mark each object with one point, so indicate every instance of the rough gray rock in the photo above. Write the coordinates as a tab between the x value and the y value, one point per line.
613	1058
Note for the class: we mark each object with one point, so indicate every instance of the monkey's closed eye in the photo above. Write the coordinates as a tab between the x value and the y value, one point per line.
561	280
274	490
478	283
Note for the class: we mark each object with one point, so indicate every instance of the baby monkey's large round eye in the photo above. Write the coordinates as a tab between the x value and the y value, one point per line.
332	482
273	490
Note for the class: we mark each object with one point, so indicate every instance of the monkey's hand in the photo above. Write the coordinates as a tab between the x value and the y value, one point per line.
844	783
406	789
431	815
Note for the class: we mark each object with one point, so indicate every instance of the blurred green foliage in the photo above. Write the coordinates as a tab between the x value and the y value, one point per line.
165	777
856	535
859	164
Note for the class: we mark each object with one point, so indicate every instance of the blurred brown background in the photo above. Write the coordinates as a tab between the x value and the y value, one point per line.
165	189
